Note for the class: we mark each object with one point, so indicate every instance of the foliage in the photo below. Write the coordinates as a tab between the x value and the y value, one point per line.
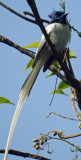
5	100
32	45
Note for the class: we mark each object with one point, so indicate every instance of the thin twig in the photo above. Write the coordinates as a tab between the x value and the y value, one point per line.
73	107
72	27
61	76
59	133
54	91
70	136
18	14
68	61
32	15
78	95
28	13
40	23
21	16
58	139
61	116
28	19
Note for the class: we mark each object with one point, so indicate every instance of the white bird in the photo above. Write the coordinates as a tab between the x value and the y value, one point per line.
60	34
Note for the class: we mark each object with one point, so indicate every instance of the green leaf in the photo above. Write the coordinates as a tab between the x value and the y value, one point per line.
62	4
50	74
32	45
79	34
62	85
55	66
72	91
30	64
71	54
5	100
59	91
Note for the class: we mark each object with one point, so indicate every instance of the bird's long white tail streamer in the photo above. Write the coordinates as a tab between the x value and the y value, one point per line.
13	124
22	98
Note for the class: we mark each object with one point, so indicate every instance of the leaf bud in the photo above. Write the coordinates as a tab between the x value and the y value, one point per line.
41	142
45	139
79	125
37	147
35	140
35	144
54	133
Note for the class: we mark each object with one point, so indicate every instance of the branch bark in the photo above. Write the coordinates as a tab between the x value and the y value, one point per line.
24	154
70	136
61	116
17	14
16	46
21	16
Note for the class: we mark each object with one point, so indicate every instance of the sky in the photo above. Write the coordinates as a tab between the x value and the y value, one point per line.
32	120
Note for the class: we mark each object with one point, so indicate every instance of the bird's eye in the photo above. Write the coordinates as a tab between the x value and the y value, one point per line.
56	16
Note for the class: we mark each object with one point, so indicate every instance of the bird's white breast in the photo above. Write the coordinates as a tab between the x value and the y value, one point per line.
60	35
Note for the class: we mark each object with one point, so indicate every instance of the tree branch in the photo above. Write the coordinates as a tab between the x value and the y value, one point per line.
16	46
21	16
73	107
24	154
32	15
70	136
61	76
60	134
30	53
40	23
77	94
17	14
61	116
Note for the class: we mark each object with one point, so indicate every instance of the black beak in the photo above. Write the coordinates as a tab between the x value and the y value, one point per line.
65	14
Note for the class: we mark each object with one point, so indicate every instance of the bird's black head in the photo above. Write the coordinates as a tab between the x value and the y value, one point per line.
58	16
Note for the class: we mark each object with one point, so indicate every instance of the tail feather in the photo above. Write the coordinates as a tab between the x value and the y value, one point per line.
13	124
24	93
